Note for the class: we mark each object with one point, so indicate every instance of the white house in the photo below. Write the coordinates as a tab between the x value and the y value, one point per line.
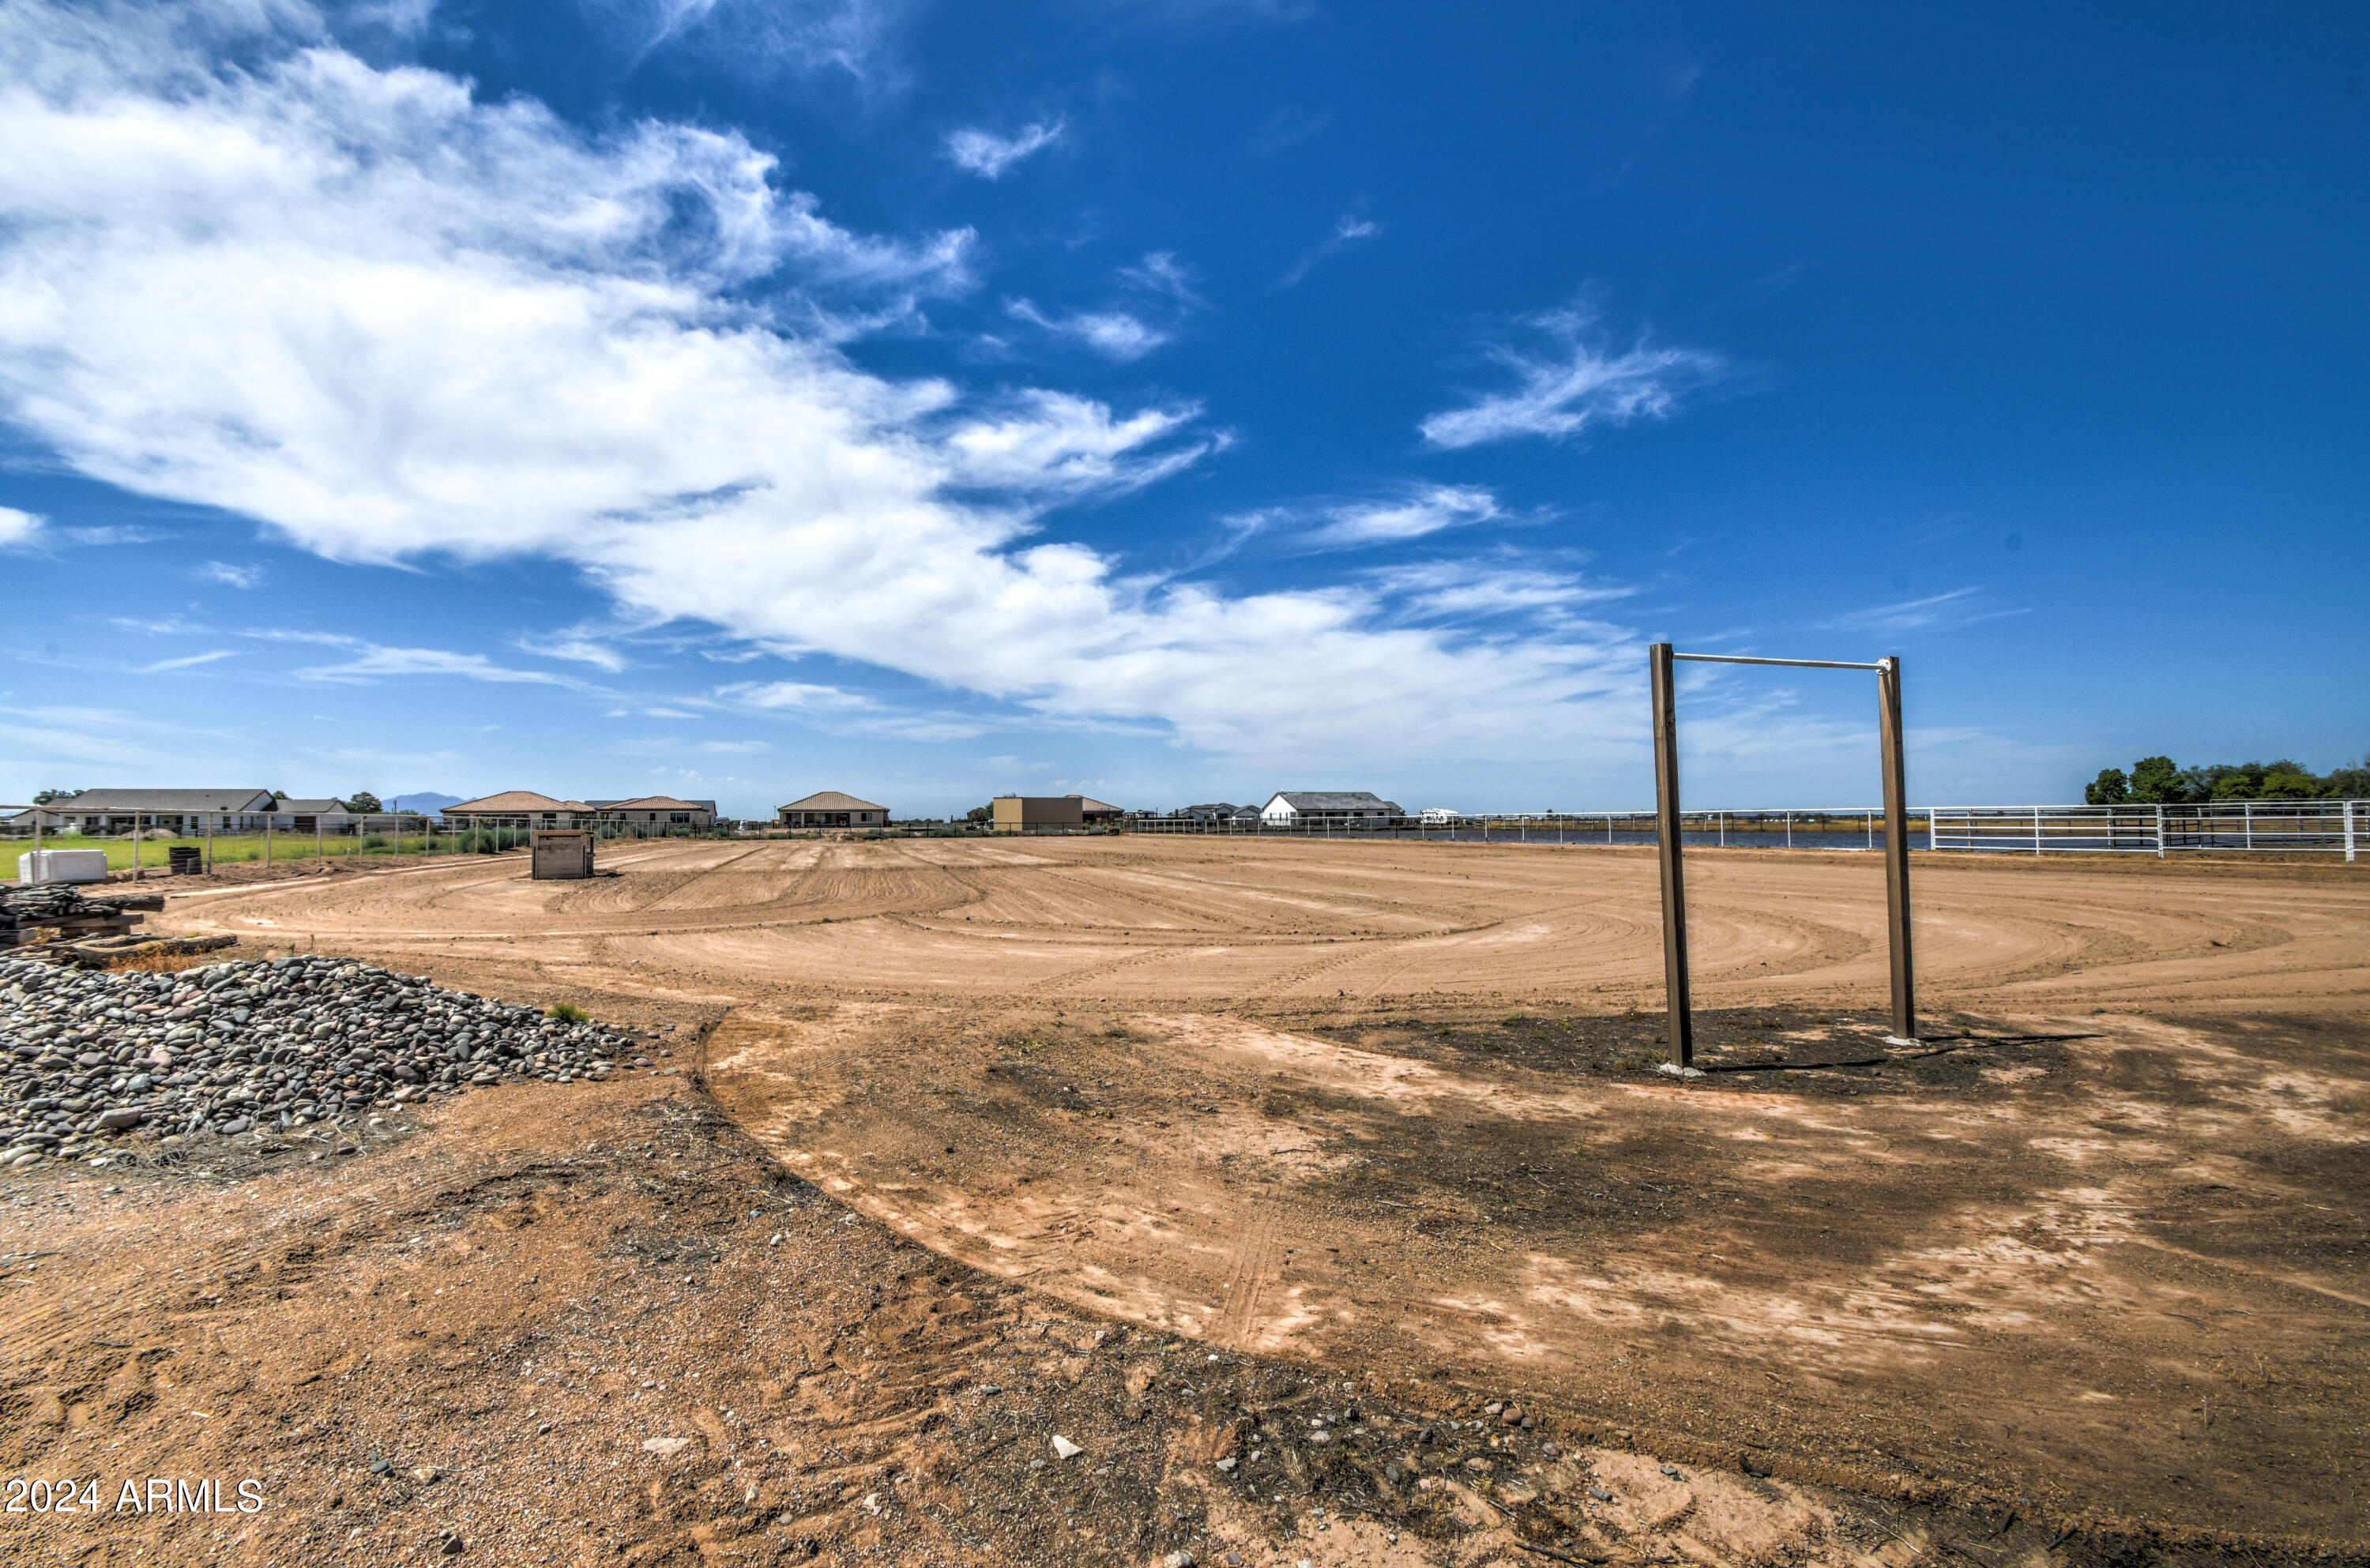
1324	808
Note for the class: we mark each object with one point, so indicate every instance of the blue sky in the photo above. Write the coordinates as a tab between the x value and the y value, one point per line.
1175	400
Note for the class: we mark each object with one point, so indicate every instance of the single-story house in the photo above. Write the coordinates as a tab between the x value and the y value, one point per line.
829	808
1214	811
176	810
1327	808
519	808
655	810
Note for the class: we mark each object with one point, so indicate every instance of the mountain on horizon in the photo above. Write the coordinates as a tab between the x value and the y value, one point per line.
427	802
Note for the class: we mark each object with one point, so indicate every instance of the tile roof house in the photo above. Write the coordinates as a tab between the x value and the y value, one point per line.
829	808
519	808
655	810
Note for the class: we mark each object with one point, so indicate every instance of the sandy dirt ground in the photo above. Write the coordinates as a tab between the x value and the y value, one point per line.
1377	1121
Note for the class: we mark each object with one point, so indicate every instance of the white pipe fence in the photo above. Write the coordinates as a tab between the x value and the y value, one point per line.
2287	827
2336	827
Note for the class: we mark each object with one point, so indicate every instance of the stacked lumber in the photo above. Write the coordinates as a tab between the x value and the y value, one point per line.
62	912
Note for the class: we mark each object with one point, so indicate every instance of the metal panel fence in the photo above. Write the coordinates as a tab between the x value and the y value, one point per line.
2311	827
1776	828
2336	827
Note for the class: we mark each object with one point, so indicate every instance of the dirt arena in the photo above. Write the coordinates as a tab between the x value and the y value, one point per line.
2095	1251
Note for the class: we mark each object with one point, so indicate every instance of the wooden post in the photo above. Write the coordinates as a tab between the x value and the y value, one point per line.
1674	893
1896	850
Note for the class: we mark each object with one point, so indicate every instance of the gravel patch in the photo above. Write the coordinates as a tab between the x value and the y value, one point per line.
94	1056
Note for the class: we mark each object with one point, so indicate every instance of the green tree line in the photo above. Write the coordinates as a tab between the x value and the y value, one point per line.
2158	781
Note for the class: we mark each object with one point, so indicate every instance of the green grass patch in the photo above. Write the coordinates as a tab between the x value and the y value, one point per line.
569	1012
286	849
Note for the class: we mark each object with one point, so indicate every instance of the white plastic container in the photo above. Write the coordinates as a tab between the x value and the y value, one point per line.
62	865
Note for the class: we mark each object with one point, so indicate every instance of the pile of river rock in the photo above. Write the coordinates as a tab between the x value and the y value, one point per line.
92	1056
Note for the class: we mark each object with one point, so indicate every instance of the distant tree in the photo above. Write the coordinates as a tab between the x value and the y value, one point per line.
365	803
2350	782
2157	781
2288	780
2227	781
2110	789
48	797
980	813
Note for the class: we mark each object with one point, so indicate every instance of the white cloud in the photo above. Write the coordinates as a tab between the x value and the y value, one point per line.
766	37
1160	285
1463	589
436	325
579	649
188	661
365	662
1114	334
231	576
1914	615
18	527
1582	383
1348	230
108	533
796	697
1161	274
1426	510
988	156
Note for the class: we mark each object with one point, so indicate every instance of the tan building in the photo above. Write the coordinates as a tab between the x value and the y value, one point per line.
829	808
519	808
656	812
1023	813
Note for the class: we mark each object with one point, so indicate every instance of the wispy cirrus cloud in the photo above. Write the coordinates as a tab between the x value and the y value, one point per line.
1465	589
364	661
793	696
1956	607
854	39
837	707
1429	508
1158	286
18	527
576	648
188	662
988	155
231	576
1114	334
1578	382
1348	230
1412	512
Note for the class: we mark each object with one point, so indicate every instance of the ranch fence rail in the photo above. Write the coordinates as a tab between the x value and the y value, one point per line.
2288	827
2332	827
2339	827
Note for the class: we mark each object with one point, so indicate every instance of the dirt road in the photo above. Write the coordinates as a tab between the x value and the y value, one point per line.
1382	1108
